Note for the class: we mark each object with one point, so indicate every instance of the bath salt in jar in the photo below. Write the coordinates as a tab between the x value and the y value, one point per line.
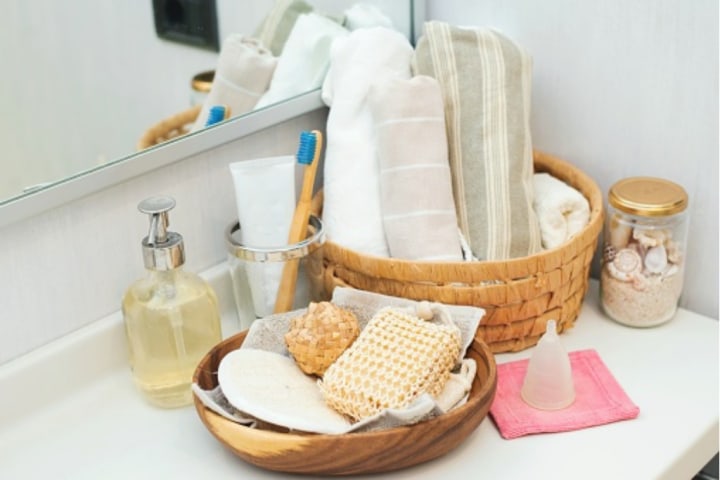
644	251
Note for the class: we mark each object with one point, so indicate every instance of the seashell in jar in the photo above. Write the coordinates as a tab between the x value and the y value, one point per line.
674	254
670	270
620	232
649	238
609	253
656	259
638	248
626	265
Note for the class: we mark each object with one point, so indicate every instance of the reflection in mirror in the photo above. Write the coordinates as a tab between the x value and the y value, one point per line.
84	80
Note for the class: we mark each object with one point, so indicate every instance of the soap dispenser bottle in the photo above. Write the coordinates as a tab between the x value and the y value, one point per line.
171	316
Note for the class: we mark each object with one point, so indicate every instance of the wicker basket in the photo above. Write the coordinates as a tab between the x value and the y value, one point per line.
519	295
169	128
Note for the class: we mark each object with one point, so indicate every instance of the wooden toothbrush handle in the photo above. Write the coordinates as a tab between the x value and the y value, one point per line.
288	281
288	284
298	231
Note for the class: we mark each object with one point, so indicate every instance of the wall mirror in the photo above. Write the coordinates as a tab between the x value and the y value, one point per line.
82	81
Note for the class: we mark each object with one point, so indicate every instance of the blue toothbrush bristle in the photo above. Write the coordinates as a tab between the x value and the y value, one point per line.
215	115
306	149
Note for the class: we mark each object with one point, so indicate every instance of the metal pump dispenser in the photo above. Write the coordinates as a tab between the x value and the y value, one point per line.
171	315
162	250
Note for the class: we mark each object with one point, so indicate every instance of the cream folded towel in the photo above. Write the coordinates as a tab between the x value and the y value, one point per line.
305	59
243	73
562	211
415	185
351	212
485	79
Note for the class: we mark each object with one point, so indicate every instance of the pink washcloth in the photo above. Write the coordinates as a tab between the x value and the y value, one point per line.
599	399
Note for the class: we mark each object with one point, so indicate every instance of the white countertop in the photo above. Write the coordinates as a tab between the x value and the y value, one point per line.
70	410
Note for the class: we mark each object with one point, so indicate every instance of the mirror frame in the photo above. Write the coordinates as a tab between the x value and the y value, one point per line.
125	168
99	178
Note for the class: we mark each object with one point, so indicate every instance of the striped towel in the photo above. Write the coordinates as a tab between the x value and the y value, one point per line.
275	29
485	79
415	187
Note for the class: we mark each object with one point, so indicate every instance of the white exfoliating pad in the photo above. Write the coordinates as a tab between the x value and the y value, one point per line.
271	387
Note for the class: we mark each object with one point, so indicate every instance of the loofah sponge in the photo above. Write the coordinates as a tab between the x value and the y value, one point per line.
396	358
318	337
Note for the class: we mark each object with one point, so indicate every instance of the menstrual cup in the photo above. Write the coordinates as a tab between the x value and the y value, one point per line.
548	381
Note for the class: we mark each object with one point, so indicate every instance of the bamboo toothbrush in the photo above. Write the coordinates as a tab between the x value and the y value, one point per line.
308	154
217	114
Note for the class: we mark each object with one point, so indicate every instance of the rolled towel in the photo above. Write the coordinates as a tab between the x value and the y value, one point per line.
485	79
415	186
365	15
243	73
562	211
275	29
351	212
305	58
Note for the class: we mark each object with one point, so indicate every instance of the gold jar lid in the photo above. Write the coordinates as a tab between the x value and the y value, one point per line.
203	81
648	196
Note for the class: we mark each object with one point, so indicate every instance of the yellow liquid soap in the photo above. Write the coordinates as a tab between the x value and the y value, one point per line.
171	321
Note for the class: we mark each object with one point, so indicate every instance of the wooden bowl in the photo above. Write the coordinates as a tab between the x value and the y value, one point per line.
352	453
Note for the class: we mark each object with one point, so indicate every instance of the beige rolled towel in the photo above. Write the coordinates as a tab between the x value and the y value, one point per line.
485	80
243	74
415	186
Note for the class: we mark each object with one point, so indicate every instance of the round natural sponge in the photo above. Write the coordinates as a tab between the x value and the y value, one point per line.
318	337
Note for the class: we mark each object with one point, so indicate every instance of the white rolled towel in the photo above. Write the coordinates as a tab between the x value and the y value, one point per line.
242	75
305	58
351	212
561	210
366	15
415	183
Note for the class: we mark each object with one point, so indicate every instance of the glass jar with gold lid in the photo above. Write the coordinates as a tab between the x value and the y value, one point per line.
201	85
644	251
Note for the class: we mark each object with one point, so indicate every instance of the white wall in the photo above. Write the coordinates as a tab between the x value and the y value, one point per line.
624	88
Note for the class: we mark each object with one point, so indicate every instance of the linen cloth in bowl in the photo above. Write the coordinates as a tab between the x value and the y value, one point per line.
268	334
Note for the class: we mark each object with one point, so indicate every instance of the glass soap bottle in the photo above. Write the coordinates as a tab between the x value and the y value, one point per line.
171	316
644	248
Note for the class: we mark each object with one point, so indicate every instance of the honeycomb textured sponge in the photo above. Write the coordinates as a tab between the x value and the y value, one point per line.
318	337
395	359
